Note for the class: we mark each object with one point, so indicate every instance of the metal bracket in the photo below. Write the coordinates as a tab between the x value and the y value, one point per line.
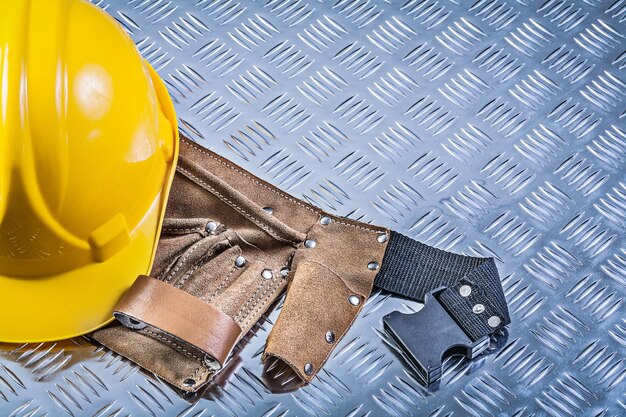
429	336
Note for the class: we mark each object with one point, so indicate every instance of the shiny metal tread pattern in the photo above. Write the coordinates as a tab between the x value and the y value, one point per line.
493	128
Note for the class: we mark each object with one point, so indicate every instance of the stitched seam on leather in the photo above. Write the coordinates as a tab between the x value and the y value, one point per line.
254	305
173	344
193	145
193	376
232	269
189	273
243	211
245	306
182	262
222	285
252	301
183	351
367	229
197	265
188	230
203	376
275	191
260	305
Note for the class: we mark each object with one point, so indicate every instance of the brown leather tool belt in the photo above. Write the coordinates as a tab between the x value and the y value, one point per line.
230	245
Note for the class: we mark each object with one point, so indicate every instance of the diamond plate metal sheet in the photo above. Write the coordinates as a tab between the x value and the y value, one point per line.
489	127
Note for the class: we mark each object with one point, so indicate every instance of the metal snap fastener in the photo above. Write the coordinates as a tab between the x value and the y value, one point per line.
382	238
267	274
494	321
211	226
211	363
478	309
269	210
308	369
373	266
310	243
330	337
130	322
284	272
240	261
189	382
465	290
354	300
325	220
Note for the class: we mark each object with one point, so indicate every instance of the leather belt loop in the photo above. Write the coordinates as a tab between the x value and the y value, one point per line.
153	303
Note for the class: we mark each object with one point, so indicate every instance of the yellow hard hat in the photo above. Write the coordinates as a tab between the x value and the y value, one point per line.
88	147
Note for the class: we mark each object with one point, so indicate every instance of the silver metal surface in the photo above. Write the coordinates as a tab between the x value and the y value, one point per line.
478	309
325	220
354	300
308	369
211	227
373	266
488	127
240	261
494	321
267	274
465	290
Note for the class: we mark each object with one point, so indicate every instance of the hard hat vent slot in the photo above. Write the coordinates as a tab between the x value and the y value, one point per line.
109	239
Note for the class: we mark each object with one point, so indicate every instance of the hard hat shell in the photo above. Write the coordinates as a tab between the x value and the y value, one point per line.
88	147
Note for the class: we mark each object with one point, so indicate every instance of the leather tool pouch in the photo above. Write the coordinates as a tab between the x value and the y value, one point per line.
230	245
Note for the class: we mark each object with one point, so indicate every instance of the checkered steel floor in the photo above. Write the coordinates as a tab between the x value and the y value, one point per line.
493	128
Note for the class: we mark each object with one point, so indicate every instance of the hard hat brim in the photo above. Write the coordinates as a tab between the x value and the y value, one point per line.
77	302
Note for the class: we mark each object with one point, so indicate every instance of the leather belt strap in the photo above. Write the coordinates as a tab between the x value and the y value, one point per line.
186	318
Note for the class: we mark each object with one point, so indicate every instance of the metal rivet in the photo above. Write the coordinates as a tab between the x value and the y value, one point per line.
284	272
330	337
325	220
310	243
308	369
212	364
240	261
478	309
189	382
465	290
494	321
211	226
382	238
269	210
373	266
354	300
267	274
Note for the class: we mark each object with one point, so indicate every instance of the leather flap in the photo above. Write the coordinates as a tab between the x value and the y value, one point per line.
153	303
334	273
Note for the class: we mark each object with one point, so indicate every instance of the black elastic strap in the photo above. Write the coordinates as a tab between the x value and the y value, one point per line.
413	269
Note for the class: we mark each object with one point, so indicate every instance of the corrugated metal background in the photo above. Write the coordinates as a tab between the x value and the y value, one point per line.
493	128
